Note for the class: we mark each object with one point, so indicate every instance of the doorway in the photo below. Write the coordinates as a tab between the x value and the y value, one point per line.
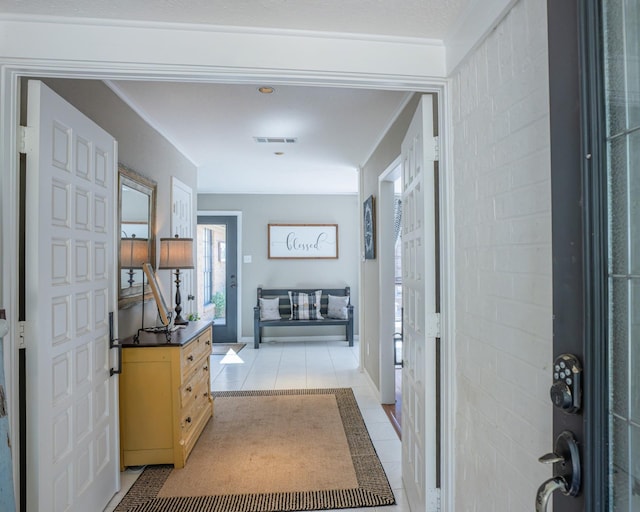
217	295
11	74
390	211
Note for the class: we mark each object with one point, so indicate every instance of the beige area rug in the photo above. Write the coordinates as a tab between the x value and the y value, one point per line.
221	349
271	451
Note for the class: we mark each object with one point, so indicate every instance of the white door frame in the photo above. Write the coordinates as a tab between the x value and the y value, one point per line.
49	67
386	276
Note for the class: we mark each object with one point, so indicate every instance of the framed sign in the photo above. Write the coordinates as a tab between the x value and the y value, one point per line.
163	310
295	241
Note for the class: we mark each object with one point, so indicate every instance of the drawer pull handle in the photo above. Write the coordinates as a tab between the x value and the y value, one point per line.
208	342
190	358
189	389
188	419
205	368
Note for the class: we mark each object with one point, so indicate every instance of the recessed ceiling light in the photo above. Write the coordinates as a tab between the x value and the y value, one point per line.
266	89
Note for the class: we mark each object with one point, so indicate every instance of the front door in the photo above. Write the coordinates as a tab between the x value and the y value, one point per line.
218	279
595	155
70	289
420	308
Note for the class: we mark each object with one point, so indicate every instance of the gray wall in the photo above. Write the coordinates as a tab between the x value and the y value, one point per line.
260	210
383	156
141	148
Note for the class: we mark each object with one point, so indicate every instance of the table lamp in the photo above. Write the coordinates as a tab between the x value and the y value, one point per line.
176	253
133	253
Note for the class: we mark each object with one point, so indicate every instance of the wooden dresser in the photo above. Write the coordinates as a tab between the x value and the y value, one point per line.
165	398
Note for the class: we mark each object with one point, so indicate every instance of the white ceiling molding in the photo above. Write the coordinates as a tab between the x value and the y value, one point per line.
176	46
480	18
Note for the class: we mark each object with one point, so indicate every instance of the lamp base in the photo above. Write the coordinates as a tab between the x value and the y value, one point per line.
180	321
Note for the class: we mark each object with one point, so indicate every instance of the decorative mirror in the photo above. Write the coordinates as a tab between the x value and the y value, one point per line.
137	207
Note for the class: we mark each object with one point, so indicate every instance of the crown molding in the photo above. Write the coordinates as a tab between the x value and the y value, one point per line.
224	29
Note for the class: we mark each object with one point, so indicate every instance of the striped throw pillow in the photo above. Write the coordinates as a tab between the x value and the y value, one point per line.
305	306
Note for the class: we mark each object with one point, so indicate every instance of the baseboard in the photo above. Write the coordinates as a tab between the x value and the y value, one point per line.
286	339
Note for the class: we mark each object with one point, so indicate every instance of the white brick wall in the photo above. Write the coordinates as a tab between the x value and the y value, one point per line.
501	175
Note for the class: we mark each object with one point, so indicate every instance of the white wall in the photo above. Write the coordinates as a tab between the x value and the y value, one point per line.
143	149
260	210
500	108
383	156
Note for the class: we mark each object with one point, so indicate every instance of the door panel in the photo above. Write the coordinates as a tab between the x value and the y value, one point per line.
595	152
218	277
72	416
567	228
182	225
419	293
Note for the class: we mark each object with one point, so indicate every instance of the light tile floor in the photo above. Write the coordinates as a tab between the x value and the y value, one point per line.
310	364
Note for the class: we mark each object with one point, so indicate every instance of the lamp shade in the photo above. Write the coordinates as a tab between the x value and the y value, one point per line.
176	253
134	252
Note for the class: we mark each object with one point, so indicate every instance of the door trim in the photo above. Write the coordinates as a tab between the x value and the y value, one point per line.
579	230
386	277
238	215
596	335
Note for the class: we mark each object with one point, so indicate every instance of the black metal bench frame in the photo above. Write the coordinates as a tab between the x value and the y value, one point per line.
285	311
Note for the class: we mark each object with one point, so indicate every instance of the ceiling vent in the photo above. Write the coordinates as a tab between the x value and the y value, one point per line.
276	140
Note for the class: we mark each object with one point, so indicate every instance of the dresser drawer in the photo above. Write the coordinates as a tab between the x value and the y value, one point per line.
199	377
196	404
195	350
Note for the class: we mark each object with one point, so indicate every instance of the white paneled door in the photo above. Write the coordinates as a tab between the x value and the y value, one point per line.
71	400
420	314
182	225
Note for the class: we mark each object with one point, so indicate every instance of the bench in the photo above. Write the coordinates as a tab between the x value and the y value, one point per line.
285	311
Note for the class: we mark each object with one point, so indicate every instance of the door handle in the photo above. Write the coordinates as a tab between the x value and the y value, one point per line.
546	490
566	470
114	343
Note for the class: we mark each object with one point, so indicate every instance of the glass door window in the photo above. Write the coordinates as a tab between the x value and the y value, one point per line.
621	33
212	290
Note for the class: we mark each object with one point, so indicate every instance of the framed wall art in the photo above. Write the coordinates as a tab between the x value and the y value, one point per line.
299	241
369	212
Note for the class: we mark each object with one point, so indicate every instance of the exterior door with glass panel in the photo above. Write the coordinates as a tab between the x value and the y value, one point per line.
594	52
217	296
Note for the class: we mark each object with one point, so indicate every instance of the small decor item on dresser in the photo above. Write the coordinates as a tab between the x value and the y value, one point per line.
305	306
163	311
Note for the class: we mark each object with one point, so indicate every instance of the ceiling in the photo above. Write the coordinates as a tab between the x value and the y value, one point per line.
215	125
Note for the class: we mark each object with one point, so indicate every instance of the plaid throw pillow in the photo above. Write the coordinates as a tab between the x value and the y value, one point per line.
305	306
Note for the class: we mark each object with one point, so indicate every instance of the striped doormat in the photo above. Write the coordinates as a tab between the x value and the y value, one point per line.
222	349
295	450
